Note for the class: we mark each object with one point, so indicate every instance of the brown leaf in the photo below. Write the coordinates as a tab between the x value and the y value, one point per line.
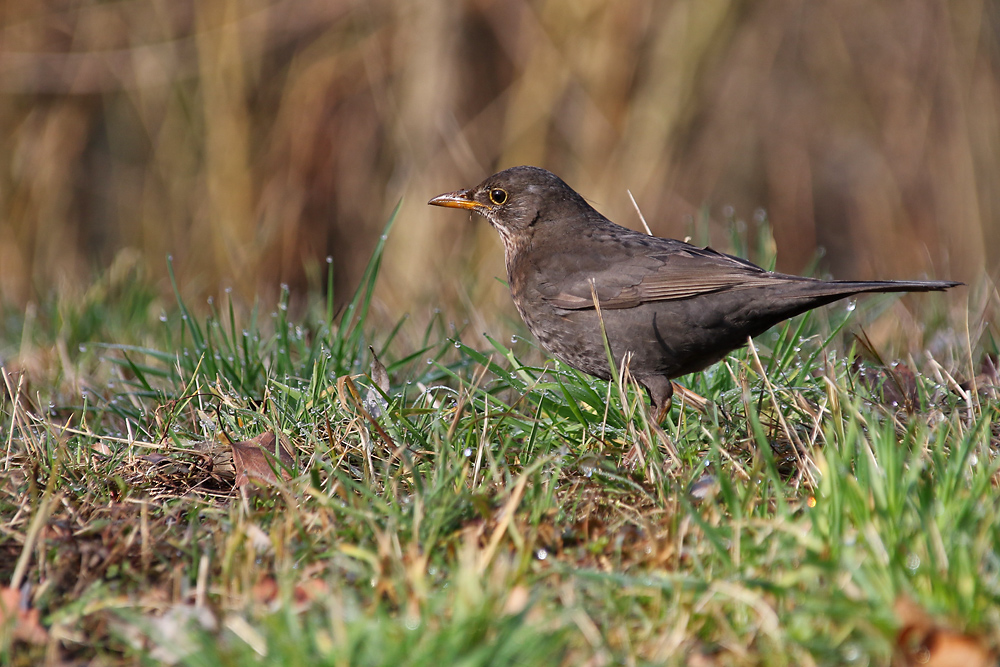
254	460
895	385
374	401
265	590
921	641
14	610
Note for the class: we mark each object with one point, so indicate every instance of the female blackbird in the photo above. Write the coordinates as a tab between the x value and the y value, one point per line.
675	307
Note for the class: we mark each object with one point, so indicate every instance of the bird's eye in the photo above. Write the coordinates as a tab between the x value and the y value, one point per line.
498	196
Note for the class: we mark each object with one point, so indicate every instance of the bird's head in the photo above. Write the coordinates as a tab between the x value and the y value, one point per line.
517	199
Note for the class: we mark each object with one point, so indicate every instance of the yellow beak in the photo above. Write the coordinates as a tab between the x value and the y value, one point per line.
458	199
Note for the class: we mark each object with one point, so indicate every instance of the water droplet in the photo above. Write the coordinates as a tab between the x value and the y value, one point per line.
229	290
851	653
513	339
83	348
912	562
163	317
759	215
458	345
852	304
430	361
542	554
467	452
329	259
728	211
211	300
384	237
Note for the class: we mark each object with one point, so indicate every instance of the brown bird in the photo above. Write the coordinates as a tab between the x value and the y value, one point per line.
675	307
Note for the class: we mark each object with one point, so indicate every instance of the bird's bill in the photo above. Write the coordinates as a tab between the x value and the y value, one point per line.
458	199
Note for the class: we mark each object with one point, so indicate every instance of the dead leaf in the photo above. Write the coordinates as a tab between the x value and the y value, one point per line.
15	611
265	590
374	401
254	460
921	641
894	385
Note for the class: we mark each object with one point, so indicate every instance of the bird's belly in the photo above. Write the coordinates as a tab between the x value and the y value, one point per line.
670	338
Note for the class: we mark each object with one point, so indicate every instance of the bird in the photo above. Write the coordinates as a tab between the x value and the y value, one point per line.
669	307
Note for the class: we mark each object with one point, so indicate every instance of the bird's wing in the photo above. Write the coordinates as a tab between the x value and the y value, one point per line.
663	270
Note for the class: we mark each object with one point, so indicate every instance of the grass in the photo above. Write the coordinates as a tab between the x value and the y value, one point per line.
490	507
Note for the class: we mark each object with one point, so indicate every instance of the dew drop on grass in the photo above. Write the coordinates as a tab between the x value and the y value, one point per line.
458	345
851	305
467	452
211	300
912	562
163	317
851	653
329	259
83	348
513	339
430	361
542	554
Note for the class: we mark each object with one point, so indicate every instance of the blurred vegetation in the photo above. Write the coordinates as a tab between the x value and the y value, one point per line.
251	139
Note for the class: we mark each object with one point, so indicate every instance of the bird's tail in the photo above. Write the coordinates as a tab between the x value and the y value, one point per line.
842	288
801	294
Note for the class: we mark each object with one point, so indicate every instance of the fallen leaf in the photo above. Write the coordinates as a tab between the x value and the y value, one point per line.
921	641
374	401
894	385
14	611
254	460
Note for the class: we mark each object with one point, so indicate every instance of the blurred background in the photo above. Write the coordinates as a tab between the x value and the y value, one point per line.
251	139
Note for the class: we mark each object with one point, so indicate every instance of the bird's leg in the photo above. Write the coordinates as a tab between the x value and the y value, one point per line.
660	390
691	399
